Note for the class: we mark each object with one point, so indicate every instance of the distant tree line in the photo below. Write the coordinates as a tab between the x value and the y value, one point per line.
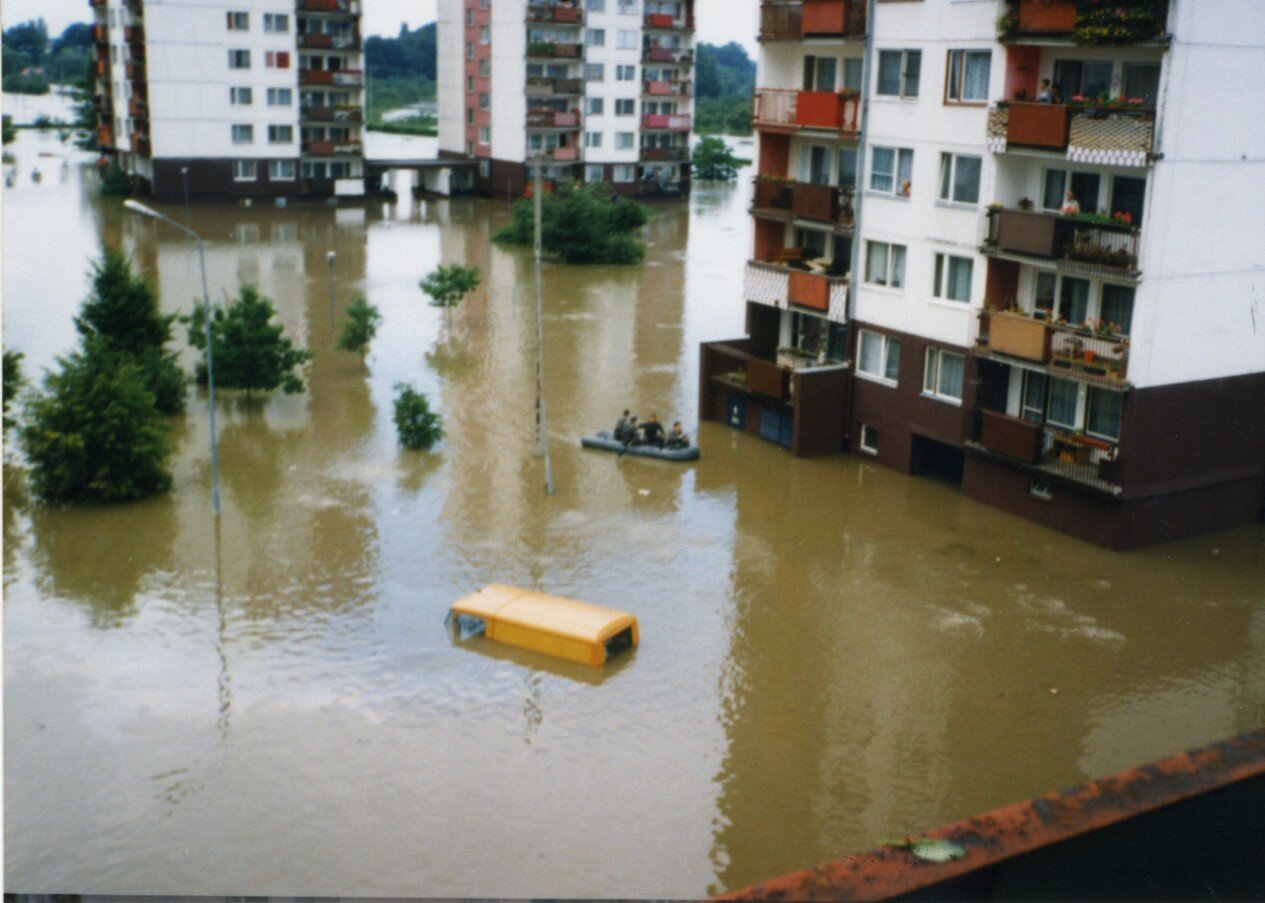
30	61
724	83
401	70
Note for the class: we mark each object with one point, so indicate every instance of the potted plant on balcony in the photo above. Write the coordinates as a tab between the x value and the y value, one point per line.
1026	203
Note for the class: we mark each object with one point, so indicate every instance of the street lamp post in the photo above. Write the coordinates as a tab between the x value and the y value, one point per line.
331	257
184	174
138	207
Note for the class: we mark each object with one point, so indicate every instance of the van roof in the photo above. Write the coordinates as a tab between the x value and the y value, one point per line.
554	614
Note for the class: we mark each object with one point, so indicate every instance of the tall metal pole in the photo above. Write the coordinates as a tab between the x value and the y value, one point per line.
184	174
542	418
331	257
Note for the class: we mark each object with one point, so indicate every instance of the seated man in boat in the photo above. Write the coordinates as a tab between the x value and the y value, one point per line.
620	432
652	432
677	437
630	432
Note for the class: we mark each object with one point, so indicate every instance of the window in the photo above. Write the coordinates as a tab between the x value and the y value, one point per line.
593	173
277	59
819	73
244	171
1032	402
814	167
1102	413
239	96
470	18
942	375
281	170
852	73
1074	300
625	73
1083	185
280	134
469	84
623	141
959	178
898	72
594	106
595	6
485	134
1117	307
625	107
1061	403
594	72
885	264
280	97
238	22
968	76
880	357
592	139
624	172
869	439
628	7
469	50
239	59
1142	81
1081	78
626	39
243	134
952	280
278	23
1127	195
595	37
485	101
891	169
485	69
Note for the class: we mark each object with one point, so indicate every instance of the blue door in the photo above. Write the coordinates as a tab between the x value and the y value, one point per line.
777	426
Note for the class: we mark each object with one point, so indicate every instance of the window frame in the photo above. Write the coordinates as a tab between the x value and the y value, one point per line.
901	187
893	273
241	165
888	361
932	375
951	84
949	178
905	55
942	265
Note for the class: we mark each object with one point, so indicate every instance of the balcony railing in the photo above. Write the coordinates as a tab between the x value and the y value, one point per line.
137	108
804	284
823	203
1099	23
677	55
313	40
332	114
679	88
1066	350
758	375
1106	134
351	7
343	78
1051	236
135	70
553	119
538	86
673	122
134	33
553	50
781	21
1048	450
101	34
329	148
538	14
781	108
665	154
664	20
794	21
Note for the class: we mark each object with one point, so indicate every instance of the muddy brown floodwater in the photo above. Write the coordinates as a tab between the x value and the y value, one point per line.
832	653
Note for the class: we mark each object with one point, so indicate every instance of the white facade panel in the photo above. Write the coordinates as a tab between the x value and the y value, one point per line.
450	75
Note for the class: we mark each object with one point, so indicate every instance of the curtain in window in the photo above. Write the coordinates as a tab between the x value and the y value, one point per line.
913	71
975	78
892	369
881	169
871	353
1117	306
898	266
1103	417
1034	385
951	372
959	287
1074	300
876	263
889	72
904	168
1062	406
1053	193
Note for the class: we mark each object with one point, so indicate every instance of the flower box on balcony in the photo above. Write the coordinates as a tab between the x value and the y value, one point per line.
824	17
1047	17
816	202
825	110
1018	335
809	290
1043	125
1011	436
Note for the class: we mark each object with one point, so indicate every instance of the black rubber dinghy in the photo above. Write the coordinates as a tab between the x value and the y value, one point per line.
606	442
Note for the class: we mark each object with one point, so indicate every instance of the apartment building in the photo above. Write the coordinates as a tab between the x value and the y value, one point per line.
598	90
232	98
1055	260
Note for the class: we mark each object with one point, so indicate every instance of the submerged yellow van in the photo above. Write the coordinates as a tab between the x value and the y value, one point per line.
565	628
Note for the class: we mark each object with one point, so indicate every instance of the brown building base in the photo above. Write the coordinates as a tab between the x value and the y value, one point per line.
510	179
214	179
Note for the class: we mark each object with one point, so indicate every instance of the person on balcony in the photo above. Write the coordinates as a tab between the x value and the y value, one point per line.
1071	206
1045	93
652	432
677	438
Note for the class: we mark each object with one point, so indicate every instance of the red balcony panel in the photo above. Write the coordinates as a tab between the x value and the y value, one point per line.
566	14
316	77
816	202
826	110
1043	125
660	20
566	154
1047	16
659	54
824	17
809	290
658	88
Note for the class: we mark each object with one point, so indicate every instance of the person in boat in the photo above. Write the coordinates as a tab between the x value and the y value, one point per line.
652	432
621	428
630	432
677	437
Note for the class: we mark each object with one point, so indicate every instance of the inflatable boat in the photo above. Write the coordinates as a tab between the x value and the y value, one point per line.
606	442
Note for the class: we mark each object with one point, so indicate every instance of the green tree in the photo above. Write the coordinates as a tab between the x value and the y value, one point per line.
449	284
122	313
93	433
251	352
713	161
362	324
416	425
13	381
580	224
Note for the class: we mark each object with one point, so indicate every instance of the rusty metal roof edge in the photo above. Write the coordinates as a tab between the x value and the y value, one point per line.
1020	828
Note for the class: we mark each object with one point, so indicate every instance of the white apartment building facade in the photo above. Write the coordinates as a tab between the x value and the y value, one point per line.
232	98
598	90
1054	212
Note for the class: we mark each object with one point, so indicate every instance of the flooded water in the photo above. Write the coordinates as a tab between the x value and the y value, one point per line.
832	653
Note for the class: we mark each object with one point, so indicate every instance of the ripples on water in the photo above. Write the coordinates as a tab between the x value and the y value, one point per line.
832	653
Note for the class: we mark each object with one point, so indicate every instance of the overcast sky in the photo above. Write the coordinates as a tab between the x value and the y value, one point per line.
719	21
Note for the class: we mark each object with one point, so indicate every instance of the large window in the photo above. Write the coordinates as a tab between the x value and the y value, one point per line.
238	21
942	375
280	134
968	76
239	59
885	264
281	171
820	73
1142	81
959	178
276	22
1061	403
1084	186
899	72
595	37
880	357
245	170
1074	300
280	97
891	170
1127	195
952	279
1088	79
1117	307
1103	411
243	133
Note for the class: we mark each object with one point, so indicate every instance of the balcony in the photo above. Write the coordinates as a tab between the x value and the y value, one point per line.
1048	451
540	14
665	21
1113	133
781	21
538	86
349	7
312	40
101	34
781	109
783	284
823	203
671	122
1088	239
665	154
794	21
1102	23
677	88
1082	352
105	136
329	148
140	144
343	78
565	154
553	119
135	70
137	108
134	34
553	50
349	114
677	55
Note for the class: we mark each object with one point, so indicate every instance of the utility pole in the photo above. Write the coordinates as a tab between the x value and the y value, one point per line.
542	418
